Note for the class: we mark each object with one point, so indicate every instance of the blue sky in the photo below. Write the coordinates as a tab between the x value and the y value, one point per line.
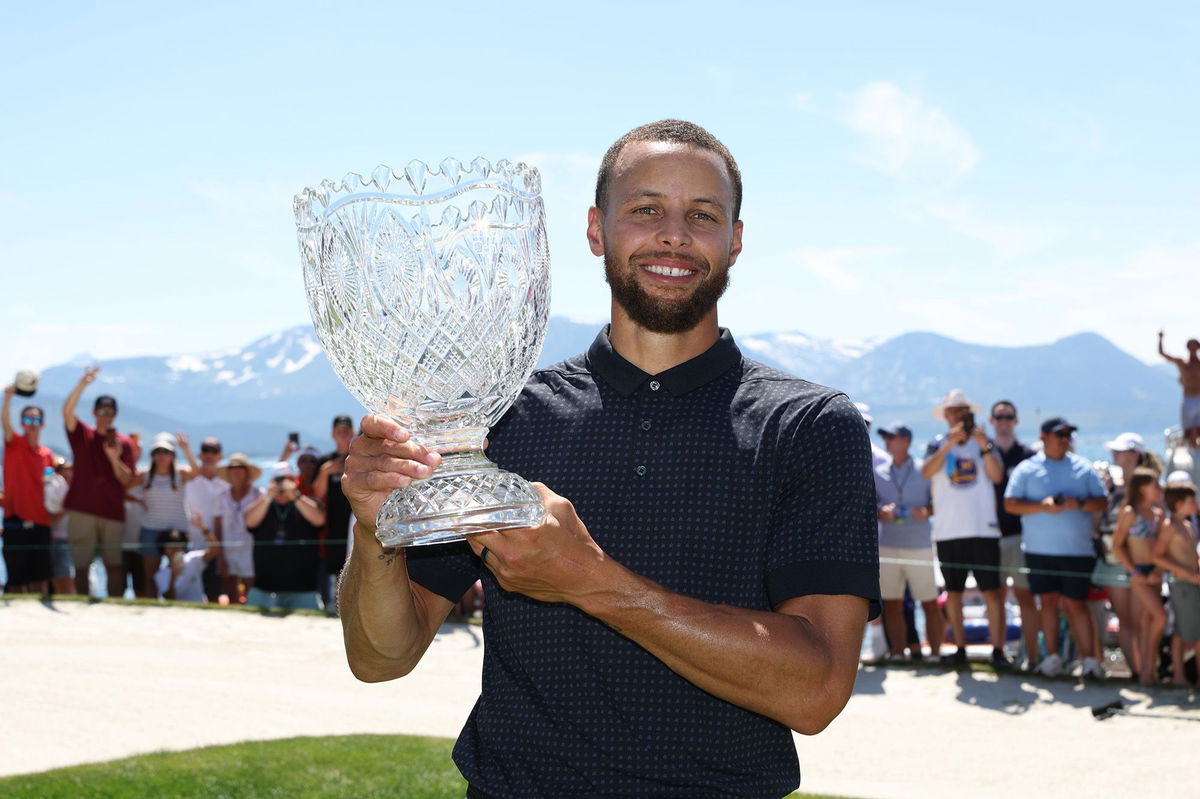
1004	177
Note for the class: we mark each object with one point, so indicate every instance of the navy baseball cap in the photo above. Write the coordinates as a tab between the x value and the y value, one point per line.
896	429
343	419
1057	424
105	401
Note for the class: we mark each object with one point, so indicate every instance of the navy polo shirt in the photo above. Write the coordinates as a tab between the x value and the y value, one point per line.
720	479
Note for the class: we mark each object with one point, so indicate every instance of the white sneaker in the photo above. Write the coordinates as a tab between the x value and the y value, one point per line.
1091	668
1050	666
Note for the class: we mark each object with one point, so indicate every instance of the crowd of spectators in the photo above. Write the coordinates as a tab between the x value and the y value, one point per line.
1067	537
1070	538
188	526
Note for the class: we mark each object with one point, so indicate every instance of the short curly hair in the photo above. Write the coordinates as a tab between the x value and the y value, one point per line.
677	131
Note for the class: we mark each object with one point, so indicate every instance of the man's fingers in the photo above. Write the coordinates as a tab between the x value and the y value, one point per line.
377	426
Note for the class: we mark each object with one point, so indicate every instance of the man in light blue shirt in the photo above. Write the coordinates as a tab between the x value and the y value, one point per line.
905	541
1055	493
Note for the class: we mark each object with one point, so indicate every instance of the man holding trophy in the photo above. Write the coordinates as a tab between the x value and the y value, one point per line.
708	557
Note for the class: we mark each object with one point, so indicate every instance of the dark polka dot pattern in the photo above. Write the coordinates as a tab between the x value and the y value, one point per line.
721	479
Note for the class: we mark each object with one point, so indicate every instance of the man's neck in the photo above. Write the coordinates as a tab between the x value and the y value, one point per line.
654	353
1004	440
237	492
208	471
900	461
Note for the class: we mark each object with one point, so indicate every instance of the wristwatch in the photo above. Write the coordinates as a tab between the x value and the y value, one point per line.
988	448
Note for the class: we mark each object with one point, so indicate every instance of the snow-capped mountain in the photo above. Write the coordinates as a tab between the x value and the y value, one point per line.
253	396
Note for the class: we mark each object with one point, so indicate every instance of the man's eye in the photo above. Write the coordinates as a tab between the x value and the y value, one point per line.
706	217
645	209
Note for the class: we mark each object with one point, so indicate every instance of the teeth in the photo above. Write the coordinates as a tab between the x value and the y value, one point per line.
668	271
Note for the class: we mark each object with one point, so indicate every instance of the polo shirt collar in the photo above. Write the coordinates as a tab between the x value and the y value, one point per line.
626	378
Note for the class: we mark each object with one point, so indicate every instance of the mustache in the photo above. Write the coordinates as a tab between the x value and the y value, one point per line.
699	263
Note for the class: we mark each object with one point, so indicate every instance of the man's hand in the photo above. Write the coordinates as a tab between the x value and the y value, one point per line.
980	436
554	562
9	390
920	514
383	458
887	513
89	375
1050	506
1071	503
957	435
112	448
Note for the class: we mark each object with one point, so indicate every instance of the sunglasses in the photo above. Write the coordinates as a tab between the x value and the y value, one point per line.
105	412
209	451
31	420
1004	417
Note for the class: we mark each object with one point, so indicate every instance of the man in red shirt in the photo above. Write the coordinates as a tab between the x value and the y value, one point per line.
26	522
104	467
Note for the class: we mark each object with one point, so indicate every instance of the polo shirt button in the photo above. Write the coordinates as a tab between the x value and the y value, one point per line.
655	385
641	470
646	424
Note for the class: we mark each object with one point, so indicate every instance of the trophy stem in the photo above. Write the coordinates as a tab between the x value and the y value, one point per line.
467	494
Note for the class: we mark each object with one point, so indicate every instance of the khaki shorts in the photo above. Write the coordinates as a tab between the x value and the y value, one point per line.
90	535
913	566
1012	559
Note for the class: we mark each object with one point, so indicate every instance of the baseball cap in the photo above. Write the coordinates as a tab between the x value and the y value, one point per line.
1179	477
211	444
1126	442
896	429
343	419
105	401
1057	424
282	469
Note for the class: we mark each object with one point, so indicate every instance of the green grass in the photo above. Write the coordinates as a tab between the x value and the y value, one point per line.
399	766
352	765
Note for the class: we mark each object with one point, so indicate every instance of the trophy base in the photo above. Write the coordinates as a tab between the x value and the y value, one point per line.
475	497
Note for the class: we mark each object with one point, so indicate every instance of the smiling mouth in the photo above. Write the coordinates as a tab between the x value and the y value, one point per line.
668	271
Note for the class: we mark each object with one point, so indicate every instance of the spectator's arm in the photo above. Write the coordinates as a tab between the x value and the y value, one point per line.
1024	507
312	510
193	467
993	467
1094	504
125	476
1163	353
1120	540
289	449
8	428
321	484
258	509
69	418
934	461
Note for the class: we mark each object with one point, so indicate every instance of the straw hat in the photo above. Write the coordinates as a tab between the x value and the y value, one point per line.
955	398
239	459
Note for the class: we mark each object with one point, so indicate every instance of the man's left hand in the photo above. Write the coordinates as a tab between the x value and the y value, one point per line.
553	562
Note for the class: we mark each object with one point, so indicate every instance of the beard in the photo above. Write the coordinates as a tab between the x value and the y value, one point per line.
665	316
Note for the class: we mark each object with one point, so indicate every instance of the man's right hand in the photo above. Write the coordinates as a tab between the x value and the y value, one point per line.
382	458
887	513
1050	506
89	375
9	390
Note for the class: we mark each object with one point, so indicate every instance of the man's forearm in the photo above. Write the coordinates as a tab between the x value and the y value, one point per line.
935	462
1022	507
773	663
385	635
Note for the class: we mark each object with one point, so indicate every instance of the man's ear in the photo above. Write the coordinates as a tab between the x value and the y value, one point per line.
595	234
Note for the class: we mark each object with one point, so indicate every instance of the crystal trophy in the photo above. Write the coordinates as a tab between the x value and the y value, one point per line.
430	292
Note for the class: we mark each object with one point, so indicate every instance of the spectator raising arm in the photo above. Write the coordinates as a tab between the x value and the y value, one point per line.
69	418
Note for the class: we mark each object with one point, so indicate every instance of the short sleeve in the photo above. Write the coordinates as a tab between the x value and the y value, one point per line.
447	570
933	446
1016	482
1095	488
824	531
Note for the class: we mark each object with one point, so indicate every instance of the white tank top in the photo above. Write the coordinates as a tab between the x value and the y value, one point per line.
164	505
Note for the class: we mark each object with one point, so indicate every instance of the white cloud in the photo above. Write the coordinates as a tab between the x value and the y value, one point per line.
1007	237
802	101
906	138
836	266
